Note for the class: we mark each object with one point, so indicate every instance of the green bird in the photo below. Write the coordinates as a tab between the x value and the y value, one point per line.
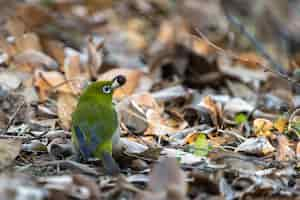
95	125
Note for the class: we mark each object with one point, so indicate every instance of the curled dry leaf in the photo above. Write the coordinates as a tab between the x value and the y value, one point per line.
167	181
262	127
76	77
9	150
133	111
281	124
66	104
257	146
132	77
95	56
48	81
215	112
34	59
55	49
28	41
284	151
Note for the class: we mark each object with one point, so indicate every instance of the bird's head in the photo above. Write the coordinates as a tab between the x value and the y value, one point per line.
103	90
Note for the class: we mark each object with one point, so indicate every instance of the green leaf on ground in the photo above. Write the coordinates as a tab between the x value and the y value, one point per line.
201	147
240	118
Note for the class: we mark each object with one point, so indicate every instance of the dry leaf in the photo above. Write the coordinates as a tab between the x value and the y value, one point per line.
15	26
250	59
74	74
55	49
257	146
28	41
262	127
9	80
95	56
167	181
191	138
284	152
136	40
132	77
146	100
166	34
35	59
201	47
9	150
7	47
48	81
215	113
66	104
281	124
33	15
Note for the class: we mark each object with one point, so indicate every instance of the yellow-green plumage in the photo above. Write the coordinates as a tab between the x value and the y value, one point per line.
96	119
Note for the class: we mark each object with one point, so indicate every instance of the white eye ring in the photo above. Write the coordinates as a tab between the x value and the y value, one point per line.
106	89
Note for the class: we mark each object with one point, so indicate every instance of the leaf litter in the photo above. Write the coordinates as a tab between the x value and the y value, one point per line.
203	114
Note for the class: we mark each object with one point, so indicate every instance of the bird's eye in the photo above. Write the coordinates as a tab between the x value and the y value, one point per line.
106	89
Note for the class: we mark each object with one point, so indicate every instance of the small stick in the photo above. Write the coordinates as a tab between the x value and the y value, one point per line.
233	134
236	57
70	164
12	118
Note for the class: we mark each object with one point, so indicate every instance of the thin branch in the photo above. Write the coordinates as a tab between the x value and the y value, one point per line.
224	52
13	117
242	29
242	138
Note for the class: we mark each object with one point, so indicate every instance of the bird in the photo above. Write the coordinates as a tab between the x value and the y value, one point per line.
95	123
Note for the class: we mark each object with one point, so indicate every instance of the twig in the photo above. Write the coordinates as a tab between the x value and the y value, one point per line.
224	52
70	164
233	134
183	133
12	118
23	138
242	29
292	116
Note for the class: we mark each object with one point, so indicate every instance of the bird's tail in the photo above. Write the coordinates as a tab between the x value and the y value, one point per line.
111	167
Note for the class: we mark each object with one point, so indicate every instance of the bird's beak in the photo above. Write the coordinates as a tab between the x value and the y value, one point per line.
118	81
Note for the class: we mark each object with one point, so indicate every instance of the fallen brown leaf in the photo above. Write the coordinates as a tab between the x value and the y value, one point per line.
215	112
48	81
35	59
167	181
9	150
66	104
74	74
28	41
262	127
284	152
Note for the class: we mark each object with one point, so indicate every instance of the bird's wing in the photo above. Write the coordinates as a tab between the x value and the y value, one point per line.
93	126
86	149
